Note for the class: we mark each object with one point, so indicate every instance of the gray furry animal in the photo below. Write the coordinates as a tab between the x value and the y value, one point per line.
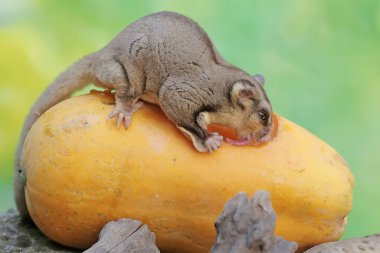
166	59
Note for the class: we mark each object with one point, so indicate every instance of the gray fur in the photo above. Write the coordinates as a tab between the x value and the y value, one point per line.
167	59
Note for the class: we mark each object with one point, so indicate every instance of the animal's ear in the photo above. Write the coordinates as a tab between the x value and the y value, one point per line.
242	92
260	79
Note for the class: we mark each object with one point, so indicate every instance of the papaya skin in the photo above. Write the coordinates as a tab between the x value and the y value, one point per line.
83	172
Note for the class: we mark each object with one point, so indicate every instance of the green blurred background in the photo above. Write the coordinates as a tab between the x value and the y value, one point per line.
321	60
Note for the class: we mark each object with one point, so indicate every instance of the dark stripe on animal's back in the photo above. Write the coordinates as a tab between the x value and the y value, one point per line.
123	69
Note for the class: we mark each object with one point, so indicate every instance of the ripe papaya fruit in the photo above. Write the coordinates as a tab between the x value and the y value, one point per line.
82	172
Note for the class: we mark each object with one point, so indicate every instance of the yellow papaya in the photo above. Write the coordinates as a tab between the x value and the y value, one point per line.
82	172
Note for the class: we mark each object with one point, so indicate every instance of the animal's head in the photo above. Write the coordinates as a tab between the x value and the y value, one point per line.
251	115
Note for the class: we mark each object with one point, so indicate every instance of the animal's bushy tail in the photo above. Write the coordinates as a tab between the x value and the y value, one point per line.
75	77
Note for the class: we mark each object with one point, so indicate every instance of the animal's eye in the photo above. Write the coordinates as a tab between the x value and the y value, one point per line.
264	115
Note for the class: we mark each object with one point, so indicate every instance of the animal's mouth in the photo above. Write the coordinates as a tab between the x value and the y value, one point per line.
257	138
240	142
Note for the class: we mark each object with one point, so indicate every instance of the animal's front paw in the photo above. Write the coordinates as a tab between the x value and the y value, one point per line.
213	142
124	114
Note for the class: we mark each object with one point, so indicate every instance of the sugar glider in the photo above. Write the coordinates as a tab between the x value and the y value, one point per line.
166	59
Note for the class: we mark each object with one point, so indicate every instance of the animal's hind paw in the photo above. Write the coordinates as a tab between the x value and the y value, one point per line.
123	114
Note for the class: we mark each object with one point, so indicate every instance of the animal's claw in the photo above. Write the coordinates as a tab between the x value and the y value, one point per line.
120	119
112	114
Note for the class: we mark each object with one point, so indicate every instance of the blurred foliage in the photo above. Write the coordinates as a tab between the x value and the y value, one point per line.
321	60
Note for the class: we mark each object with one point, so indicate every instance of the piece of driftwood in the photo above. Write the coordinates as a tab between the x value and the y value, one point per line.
247	226
367	244
125	235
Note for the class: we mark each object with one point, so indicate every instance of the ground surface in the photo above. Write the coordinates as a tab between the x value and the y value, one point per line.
17	235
